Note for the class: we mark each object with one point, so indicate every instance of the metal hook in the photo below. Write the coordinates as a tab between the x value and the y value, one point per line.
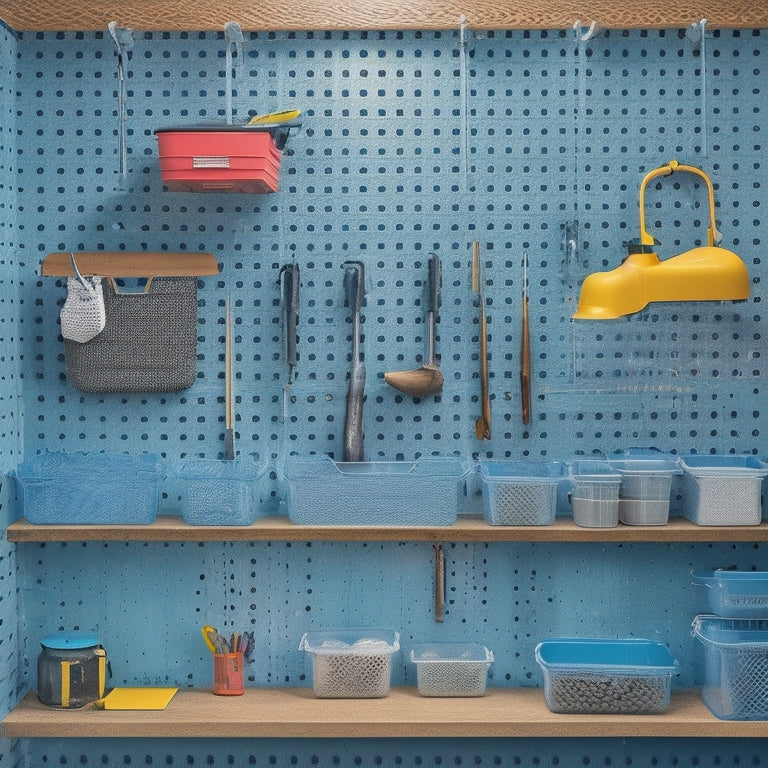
582	34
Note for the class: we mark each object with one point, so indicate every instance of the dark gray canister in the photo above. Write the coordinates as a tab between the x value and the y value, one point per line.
71	670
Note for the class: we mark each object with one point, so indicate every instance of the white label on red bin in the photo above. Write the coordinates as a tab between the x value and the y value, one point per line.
210	162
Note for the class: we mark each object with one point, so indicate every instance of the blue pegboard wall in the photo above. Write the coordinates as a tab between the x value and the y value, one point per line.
410	143
541	147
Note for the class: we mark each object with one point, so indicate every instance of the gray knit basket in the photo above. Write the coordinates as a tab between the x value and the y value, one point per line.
149	343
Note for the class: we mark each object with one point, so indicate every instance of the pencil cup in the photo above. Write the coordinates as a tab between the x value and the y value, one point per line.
228	674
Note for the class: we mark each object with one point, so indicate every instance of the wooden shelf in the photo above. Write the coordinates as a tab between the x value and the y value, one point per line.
468	528
130	264
296	713
167	15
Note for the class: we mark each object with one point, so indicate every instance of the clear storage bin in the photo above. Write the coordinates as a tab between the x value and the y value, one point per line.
736	594
351	663
451	669
222	492
422	492
89	488
736	666
723	490
595	495
604	676
520	492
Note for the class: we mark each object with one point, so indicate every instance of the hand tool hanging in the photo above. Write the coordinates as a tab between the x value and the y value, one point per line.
483	423
525	350
439	582
123	40
427	380
354	287
289	292
229	398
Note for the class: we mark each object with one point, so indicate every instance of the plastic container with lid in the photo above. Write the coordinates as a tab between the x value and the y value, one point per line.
71	670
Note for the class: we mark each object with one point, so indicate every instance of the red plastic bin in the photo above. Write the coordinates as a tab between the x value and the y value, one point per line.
219	159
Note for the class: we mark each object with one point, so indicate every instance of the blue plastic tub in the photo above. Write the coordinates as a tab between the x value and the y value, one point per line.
736	594
222	492
605	676
383	493
89	488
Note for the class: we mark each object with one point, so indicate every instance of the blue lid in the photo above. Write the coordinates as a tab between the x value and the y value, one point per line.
70	640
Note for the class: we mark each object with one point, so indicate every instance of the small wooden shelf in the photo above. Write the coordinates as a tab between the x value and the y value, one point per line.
296	713
130	264
468	528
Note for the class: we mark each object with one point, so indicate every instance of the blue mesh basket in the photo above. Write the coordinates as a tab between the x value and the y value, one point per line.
422	492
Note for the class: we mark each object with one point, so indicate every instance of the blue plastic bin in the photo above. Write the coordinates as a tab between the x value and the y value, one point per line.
383	493
89	489
222	492
736	594
606	676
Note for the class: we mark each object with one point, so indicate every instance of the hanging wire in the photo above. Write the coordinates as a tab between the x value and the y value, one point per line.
464	98
704	129
233	35
123	42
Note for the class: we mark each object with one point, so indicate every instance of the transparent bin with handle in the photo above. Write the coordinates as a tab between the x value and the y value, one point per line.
736	666
520	492
594	493
423	492
646	488
351	663
451	669
735	594
723	490
606	676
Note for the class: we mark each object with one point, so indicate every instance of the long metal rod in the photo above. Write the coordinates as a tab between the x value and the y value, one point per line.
483	423
229	399
525	350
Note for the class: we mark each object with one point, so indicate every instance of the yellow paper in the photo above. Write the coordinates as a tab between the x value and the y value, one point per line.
137	698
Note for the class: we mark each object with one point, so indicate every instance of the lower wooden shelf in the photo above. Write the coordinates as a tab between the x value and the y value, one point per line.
296	713
466	528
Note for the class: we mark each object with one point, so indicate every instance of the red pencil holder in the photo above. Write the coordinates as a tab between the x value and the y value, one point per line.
228	674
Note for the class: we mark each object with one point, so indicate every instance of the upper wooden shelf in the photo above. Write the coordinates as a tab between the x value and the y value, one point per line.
169	15
296	713
130	264
169	528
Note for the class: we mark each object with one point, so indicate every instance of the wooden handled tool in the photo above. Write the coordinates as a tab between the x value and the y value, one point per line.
525	350
483	423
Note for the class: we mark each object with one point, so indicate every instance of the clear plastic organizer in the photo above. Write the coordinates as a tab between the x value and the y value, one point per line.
520	492
736	594
451	669
605	676
222	492
351	663
422	492
646	489
736	666
723	490
89	488
595	493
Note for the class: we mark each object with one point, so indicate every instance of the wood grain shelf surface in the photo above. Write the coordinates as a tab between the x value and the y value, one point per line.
467	528
296	713
380	14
